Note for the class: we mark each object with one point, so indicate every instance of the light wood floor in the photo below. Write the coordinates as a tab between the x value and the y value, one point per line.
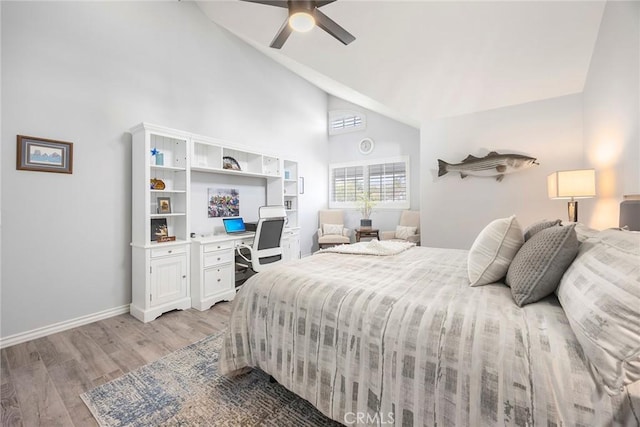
42	379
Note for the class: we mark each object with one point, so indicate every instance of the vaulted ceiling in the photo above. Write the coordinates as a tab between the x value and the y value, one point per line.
418	60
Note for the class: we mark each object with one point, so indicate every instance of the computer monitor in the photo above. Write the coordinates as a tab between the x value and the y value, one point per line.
234	225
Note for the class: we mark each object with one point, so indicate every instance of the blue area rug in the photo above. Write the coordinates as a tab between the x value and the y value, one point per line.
185	389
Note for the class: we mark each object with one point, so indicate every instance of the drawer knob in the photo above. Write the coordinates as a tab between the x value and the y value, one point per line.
184	277
219	280
170	251
218	258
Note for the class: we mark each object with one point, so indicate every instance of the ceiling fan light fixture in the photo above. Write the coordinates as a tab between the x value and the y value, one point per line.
302	21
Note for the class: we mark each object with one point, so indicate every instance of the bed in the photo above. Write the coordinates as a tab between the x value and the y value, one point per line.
403	340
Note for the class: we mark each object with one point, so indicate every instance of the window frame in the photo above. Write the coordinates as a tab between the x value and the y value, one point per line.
365	164
345	114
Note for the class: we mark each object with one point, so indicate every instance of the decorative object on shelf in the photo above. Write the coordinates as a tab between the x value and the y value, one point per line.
166	239
157	184
230	163
223	202
572	184
288	204
630	212
164	205
492	165
159	228
301	185
366	145
159	157
44	155
366	205
287	174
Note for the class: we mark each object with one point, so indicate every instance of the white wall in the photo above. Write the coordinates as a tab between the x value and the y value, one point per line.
455	210
86	72
391	139
612	111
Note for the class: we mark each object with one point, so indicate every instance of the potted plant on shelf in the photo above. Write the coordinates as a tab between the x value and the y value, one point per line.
366	205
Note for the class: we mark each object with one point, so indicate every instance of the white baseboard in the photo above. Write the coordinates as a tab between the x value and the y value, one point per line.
61	326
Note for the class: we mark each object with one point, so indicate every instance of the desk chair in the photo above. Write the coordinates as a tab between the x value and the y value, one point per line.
266	250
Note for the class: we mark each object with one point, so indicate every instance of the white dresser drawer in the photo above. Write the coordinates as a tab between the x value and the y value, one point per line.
217	258
172	250
210	247
218	280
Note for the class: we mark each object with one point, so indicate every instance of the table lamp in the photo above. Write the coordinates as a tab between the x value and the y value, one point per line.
630	212
572	184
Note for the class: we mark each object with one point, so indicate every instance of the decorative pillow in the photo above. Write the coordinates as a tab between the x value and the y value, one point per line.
328	229
600	294
403	232
493	250
539	226
537	268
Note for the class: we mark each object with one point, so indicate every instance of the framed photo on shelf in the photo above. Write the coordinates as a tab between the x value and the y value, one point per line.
44	155
159	229
164	205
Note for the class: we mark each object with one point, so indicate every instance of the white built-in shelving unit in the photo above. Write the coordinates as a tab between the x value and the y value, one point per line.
161	270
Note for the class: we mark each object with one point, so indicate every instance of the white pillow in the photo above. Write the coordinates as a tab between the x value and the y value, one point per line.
403	232
328	229
493	251
601	299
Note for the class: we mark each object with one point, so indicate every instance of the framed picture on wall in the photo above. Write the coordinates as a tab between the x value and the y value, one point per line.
164	205
44	155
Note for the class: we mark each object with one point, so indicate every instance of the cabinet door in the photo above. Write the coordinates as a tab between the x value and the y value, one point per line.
290	246
168	279
294	246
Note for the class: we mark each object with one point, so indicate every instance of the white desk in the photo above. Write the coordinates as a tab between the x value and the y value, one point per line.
213	268
213	272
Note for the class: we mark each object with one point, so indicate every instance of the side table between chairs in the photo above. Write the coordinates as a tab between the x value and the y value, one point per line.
367	232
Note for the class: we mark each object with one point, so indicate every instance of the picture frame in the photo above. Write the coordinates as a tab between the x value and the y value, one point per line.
164	205
159	229
44	155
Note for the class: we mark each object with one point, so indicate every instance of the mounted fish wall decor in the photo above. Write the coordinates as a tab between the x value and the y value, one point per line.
493	164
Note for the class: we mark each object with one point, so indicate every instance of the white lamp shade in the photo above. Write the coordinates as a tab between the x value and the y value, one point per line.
577	184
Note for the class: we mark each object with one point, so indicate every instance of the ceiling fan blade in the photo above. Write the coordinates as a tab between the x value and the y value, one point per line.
282	36
278	3
331	27
321	3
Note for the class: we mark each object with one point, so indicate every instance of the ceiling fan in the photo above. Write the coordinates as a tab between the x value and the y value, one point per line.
303	16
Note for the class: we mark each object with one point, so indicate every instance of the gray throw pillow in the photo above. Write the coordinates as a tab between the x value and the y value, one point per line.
537	268
539	226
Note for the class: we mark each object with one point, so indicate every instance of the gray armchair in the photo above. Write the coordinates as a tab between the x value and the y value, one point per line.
407	219
332	231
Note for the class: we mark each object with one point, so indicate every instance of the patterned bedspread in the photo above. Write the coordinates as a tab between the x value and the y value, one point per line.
404	340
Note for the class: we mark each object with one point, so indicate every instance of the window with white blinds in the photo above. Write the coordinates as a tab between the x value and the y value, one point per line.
348	183
341	121
386	181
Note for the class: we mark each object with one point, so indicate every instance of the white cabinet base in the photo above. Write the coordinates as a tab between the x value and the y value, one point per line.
155	312
207	303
